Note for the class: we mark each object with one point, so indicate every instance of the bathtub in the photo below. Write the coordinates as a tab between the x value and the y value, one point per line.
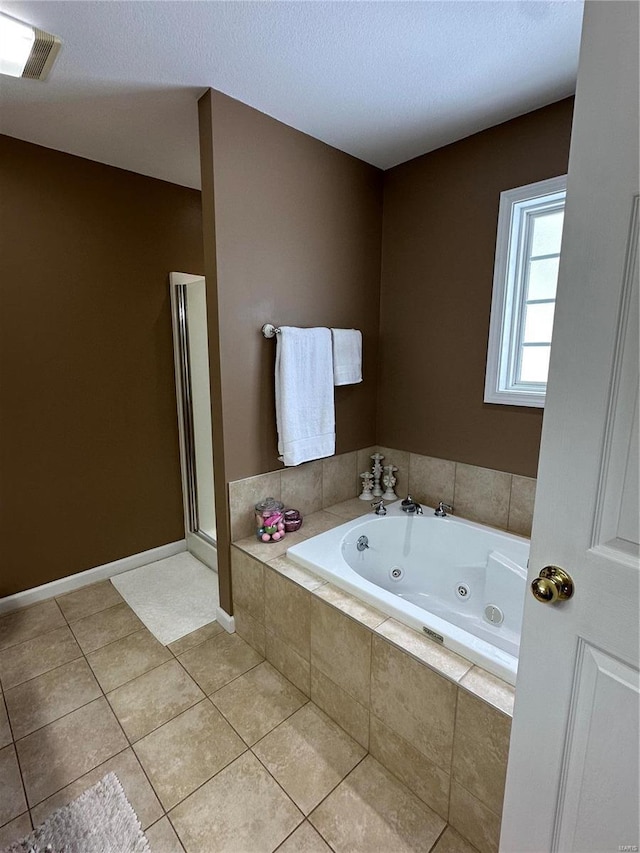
462	584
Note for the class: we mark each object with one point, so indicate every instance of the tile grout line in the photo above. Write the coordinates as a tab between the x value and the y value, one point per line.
453	746
202	784
35	637
104	696
87	615
110	643
28	607
96	699
206	698
250	750
271	776
293	831
508	524
165	813
133	743
404	785
61	717
235	677
435	843
15	751
250	746
124	637
195	645
172	825
306	817
277	725
129	680
77	779
455	481
83	656
139	763
129	744
98	612
344	779
19	763
46	672
369	712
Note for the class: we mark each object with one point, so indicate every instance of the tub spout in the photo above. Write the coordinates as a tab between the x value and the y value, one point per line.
411	506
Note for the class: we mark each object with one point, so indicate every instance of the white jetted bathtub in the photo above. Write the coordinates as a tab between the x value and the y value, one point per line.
462	584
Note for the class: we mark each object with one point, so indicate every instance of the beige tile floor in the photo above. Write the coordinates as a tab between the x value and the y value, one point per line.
216	750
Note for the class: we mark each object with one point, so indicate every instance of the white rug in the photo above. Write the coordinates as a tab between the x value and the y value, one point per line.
100	821
172	597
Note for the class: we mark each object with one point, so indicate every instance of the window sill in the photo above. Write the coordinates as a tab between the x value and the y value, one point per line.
515	398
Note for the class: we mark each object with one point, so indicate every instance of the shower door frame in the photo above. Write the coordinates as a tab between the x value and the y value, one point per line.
199	543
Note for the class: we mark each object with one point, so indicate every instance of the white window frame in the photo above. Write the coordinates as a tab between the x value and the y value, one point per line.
509	291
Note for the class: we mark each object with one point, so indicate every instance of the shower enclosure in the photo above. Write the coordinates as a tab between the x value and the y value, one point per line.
191	359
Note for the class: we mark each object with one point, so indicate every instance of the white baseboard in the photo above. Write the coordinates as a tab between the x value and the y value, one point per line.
99	573
227	622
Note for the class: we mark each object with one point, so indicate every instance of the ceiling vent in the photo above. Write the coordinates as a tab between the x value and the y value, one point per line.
43	53
26	51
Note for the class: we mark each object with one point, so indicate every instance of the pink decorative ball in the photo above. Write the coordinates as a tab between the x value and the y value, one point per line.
281	526
265	537
276	536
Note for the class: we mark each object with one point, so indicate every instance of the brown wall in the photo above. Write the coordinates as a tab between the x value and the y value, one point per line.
298	232
89	448
292	237
89	464
440	218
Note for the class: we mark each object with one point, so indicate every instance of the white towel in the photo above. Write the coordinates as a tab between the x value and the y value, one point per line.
305	412
347	356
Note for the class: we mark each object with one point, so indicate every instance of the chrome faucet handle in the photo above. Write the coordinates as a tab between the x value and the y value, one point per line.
441	509
379	507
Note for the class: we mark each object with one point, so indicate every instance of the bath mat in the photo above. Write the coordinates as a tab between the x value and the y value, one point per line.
173	597
100	821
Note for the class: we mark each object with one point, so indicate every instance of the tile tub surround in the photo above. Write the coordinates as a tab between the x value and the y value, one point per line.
496	498
412	703
309	487
436	722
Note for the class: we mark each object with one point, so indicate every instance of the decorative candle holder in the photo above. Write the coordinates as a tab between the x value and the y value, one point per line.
292	520
367	480
377	473
389	482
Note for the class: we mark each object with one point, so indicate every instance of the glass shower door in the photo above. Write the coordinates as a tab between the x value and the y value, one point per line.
191	350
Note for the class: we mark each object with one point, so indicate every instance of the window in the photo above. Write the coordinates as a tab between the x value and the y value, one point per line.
524	292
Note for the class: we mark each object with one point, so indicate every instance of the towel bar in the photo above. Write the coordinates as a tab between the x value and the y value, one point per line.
269	330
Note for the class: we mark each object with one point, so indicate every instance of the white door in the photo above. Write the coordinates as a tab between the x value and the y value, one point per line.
572	780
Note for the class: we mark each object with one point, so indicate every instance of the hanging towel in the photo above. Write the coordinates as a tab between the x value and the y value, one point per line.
347	356
305	413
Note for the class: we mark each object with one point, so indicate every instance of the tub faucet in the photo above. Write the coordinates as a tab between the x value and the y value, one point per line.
379	508
411	506
441	509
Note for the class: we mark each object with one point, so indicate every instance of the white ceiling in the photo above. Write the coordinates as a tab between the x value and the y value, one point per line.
384	81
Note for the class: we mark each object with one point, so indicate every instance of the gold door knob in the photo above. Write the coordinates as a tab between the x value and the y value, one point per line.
552	584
